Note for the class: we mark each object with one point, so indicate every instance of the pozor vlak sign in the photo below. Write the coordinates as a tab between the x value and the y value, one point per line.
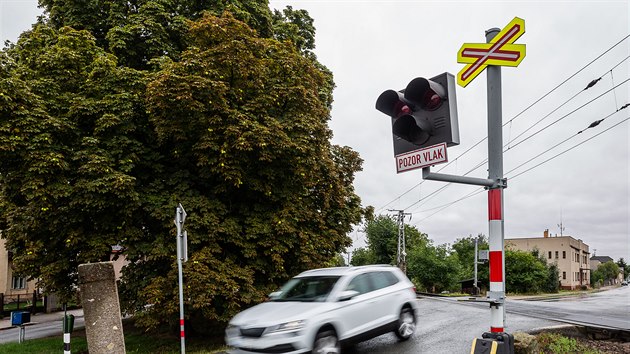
421	158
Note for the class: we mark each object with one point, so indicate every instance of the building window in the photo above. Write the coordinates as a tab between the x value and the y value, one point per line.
549	254
564	254
564	275
18	282
556	254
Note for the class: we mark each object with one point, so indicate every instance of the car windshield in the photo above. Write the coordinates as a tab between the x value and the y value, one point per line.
306	289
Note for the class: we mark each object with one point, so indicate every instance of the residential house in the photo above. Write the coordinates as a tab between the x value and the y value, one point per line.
597	260
11	283
569	254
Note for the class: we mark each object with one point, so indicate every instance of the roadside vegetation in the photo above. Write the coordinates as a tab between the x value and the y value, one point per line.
139	342
113	112
136	341
441	268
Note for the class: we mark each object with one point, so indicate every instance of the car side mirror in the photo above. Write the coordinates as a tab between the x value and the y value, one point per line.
347	295
274	295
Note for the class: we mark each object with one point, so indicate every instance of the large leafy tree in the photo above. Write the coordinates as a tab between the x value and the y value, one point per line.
111	114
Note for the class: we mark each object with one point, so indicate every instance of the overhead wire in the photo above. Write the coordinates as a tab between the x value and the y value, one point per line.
569	149
568	114
516	116
588	86
478	191
592	125
591	84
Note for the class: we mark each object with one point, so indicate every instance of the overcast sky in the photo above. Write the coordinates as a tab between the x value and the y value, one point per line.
371	46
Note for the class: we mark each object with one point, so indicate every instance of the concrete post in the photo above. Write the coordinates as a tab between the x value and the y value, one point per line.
101	308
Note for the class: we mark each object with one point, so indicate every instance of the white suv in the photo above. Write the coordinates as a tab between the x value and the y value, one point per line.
321	310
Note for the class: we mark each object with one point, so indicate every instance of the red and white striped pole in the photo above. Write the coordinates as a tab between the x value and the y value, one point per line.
496	259
495	195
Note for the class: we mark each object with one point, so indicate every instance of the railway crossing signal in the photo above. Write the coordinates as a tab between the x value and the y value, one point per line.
423	114
500	50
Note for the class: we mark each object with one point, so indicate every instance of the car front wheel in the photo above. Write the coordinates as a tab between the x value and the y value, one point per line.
406	324
326	342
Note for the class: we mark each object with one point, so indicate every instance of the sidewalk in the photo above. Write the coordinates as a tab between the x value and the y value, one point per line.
5	323
563	294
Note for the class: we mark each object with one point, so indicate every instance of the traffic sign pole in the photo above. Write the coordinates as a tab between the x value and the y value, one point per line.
182	256
495	195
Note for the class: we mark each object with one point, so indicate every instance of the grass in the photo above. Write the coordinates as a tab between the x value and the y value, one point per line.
136	341
557	344
24	305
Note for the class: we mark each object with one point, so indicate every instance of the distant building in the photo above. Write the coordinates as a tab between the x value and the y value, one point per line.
570	255
596	261
12	284
15	287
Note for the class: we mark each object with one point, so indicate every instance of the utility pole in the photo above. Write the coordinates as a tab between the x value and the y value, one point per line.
401	258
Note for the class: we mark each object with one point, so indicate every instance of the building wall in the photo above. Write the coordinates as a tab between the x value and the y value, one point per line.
6	276
571	256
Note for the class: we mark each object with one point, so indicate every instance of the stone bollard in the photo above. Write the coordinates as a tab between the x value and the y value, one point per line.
525	343
101	308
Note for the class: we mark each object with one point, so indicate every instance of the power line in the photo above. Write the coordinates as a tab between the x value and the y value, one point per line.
592	125
475	192
569	78
469	195
568	114
591	84
516	116
569	149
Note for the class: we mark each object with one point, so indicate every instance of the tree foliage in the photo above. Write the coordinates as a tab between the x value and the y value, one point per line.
605	272
112	113
464	249
524	272
362	256
433	268
625	267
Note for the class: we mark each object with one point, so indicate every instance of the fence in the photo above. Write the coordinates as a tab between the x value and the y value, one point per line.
26	302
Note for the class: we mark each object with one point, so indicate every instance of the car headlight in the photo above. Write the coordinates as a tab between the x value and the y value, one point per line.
291	326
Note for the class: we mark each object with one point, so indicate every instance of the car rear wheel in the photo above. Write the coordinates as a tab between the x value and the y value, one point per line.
406	324
326	342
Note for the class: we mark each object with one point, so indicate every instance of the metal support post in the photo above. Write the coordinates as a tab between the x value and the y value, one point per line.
476	261
495	194
432	176
401	258
182	256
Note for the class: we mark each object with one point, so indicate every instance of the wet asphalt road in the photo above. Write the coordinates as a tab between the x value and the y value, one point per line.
448	326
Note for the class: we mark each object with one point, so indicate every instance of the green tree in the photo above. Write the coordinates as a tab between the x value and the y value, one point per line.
625	267
103	132
433	268
524	272
464	249
552	282
362	256
337	261
608	271
382	239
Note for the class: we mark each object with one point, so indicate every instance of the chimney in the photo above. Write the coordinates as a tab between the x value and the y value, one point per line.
546	233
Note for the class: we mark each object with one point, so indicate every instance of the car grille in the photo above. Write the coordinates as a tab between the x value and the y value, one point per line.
252	332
